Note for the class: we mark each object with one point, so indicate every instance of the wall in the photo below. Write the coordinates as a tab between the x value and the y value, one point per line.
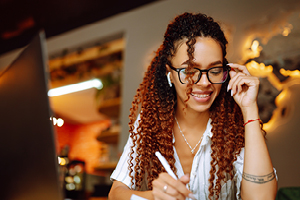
82	145
144	28
82	142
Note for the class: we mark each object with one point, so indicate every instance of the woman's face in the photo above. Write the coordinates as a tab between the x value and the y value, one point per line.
207	54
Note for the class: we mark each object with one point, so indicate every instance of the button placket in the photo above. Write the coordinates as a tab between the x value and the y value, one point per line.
195	169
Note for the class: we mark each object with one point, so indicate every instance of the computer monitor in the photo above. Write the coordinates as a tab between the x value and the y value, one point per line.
28	166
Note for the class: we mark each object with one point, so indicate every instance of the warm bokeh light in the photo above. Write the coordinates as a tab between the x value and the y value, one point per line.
295	73
59	122
284	94
77	179
63	161
277	119
54	121
287	30
69	179
78	168
72	171
255	45
262	71
253	51
70	186
259	69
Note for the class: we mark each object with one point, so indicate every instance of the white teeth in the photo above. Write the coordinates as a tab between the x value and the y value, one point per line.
200	95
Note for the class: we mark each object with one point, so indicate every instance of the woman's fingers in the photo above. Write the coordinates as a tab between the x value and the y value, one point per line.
241	83
241	79
239	68
185	179
163	190
236	71
233	85
165	187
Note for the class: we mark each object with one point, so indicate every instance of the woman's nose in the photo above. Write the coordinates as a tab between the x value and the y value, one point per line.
203	80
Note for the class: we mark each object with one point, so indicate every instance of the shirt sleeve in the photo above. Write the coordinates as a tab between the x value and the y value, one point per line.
121	172
239	167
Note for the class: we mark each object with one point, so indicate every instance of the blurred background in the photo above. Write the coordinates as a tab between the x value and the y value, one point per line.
114	42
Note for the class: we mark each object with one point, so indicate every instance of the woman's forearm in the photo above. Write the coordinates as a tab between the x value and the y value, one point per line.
119	191
259	180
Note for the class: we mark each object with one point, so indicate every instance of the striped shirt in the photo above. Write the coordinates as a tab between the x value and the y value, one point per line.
200	170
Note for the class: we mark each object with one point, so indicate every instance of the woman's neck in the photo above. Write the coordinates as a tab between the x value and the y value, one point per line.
192	120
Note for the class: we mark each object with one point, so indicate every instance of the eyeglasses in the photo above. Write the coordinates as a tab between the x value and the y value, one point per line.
215	75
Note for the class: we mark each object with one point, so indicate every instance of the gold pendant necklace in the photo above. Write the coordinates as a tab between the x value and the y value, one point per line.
192	149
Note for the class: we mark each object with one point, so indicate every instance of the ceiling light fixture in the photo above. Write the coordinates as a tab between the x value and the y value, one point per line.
94	83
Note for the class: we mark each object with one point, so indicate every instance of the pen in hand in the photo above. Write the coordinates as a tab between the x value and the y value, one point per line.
168	169
165	164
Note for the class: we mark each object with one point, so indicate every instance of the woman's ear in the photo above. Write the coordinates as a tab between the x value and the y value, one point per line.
168	69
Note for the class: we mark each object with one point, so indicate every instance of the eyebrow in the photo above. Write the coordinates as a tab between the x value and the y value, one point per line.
195	64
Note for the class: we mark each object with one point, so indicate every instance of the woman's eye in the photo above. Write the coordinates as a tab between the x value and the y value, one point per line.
215	71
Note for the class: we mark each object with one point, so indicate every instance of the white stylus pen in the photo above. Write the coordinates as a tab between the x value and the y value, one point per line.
165	164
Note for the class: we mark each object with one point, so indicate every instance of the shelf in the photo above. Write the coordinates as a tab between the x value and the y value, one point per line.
109	137
91	53
107	166
110	107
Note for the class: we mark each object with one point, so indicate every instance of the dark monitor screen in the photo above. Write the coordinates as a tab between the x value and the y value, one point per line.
29	168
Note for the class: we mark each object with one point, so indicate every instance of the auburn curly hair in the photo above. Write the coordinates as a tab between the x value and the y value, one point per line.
155	101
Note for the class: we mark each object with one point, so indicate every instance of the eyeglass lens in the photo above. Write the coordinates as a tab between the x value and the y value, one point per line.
214	75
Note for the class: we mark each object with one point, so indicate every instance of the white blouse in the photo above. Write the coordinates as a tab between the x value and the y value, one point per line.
200	170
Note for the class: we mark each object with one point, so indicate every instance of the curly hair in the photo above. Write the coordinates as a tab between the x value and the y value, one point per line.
155	101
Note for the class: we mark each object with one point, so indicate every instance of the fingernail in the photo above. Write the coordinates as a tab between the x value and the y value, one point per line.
191	195
227	88
231	93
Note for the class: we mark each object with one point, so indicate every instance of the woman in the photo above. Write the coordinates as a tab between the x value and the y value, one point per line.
201	114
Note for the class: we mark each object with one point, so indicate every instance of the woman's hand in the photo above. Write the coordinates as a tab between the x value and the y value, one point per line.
243	86
165	187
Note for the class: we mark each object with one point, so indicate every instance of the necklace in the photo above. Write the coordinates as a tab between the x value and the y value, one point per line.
192	149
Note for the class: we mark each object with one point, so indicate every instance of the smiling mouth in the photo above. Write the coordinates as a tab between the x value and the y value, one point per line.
201	95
